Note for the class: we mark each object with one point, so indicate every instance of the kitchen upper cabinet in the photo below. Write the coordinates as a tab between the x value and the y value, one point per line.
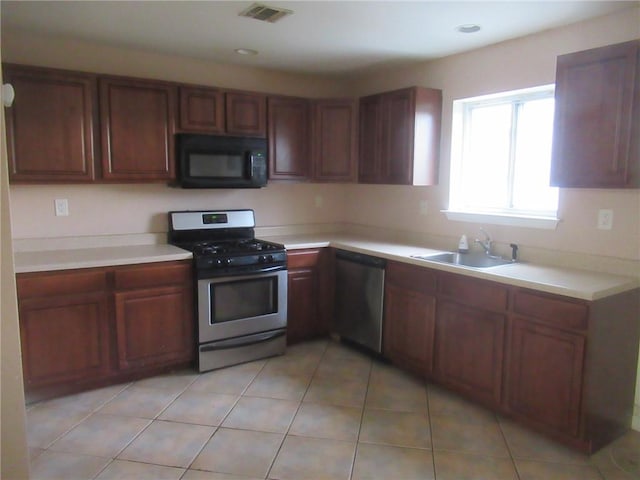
51	126
137	129
246	114
154	315
334	140
64	327
409	317
201	110
214	111
400	137
288	132
470	336
309	294
597	118
370	137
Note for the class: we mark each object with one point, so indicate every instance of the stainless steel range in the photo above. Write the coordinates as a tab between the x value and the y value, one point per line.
241	283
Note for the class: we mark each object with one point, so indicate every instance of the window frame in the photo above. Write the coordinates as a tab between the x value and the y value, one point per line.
460	125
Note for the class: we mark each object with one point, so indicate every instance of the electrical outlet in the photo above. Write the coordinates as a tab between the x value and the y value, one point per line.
319	201
605	219
423	207
62	207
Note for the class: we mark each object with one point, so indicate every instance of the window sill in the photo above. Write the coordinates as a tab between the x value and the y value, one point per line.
544	223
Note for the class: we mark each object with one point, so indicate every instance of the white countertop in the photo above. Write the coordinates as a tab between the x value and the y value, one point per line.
46	260
582	284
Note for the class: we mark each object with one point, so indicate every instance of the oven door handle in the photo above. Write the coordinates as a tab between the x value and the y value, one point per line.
234	343
270	269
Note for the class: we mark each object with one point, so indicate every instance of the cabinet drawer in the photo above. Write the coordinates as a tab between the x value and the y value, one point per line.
473	292
411	277
152	275
303	258
551	310
60	283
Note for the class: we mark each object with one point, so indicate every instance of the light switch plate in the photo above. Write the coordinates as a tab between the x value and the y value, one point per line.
62	207
605	219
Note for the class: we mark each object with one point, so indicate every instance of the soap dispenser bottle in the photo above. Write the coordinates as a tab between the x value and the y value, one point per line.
463	244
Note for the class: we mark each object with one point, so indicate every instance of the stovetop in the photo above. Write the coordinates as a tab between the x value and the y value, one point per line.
223	242
230	247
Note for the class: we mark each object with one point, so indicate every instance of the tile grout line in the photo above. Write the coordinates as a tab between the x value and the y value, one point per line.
433	453
217	427
504	437
364	403
284	437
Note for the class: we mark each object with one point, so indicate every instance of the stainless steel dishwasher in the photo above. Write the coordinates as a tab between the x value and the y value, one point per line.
359	298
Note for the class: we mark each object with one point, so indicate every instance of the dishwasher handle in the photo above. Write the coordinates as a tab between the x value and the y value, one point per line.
361	258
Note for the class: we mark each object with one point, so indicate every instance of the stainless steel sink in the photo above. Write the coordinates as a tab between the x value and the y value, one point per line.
473	260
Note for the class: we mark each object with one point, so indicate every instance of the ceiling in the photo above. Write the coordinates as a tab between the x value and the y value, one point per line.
321	37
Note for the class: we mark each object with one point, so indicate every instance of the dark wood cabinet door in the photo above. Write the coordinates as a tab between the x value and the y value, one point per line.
51	125
545	368
397	148
246	114
409	322
288	126
595	118
310	294
335	124
302	309
65	338
154	326
201	110
137	126
469	351
370	137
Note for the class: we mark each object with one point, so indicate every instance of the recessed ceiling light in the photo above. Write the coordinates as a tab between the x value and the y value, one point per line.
468	28
245	51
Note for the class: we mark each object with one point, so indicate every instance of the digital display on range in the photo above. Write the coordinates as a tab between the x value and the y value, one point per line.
209	218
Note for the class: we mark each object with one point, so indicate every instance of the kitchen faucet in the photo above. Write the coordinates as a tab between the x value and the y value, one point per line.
486	243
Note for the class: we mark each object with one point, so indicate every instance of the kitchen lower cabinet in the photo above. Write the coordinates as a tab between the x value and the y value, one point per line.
64	327
562	366
150	321
309	295
409	317
470	333
469	351
87	328
545	374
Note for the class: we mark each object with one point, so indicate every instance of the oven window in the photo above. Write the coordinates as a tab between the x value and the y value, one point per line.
219	165
243	299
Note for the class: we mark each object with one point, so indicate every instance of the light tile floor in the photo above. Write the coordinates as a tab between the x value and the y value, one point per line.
322	411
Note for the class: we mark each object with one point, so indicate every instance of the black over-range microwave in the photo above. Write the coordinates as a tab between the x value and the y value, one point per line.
209	161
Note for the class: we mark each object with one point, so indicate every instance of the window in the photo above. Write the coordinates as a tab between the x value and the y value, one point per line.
501	159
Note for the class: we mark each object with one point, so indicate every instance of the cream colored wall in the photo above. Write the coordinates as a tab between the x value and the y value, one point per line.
14	463
21	47
520	63
514	64
126	209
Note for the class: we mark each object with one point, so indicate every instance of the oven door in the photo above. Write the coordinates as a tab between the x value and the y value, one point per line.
241	305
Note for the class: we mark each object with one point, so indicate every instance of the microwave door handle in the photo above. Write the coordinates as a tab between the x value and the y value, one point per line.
250	159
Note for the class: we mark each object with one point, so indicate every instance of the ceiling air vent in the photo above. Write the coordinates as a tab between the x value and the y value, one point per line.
265	13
